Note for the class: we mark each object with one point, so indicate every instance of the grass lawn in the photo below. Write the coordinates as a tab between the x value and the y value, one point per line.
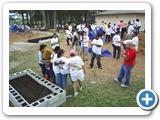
104	93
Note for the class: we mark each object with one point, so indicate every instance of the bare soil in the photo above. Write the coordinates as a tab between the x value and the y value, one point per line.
29	89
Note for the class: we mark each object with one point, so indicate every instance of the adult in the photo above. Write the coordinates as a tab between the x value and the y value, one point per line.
134	24
128	64
138	25
94	28
54	41
135	40
104	27
97	44
76	46
86	30
79	29
69	35
56	68
108	33
46	52
41	60
130	29
70	27
63	65
76	74
123	27
102	24
116	45
84	46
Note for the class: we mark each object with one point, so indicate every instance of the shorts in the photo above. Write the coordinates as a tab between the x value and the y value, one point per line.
75	79
84	49
128	36
76	48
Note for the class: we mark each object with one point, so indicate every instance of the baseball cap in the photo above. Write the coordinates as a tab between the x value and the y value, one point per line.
73	52
42	46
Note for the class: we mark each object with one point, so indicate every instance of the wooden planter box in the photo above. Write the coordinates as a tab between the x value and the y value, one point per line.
28	89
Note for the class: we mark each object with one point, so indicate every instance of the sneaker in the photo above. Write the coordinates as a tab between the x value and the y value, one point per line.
80	88
123	85
116	80
89	67
100	67
75	94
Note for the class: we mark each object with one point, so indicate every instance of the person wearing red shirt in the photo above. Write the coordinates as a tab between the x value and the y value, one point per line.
129	60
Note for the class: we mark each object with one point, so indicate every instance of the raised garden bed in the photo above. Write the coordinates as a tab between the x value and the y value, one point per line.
27	89
36	40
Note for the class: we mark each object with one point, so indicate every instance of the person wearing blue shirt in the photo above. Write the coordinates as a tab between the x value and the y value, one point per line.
41	60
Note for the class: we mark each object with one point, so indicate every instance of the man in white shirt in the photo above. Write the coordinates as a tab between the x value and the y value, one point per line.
135	40
97	44
69	36
129	31
138	25
84	46
70	27
79	29
86	30
94	28
116	45
54	42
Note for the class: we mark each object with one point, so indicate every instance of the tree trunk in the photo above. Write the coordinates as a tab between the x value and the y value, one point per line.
27	19
44	19
55	20
87	18
22	18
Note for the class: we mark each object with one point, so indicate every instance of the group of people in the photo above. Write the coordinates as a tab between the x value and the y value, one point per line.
56	68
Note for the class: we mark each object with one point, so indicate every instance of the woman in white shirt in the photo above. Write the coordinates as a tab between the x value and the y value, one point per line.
54	41
108	33
76	74
116	45
138	25
63	63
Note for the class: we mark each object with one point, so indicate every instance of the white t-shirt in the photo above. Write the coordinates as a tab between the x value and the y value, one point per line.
93	27
135	41
54	40
126	41
65	66
130	28
79	28
86	30
116	40
56	68
85	41
96	49
138	24
75	72
108	31
69	34
70	28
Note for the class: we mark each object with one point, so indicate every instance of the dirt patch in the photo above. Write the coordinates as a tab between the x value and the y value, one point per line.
23	37
29	89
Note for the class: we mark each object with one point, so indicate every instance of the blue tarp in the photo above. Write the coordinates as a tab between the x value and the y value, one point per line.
91	35
105	52
100	31
104	40
14	28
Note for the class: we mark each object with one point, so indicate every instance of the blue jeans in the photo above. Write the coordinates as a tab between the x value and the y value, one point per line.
43	68
64	80
137	29
58	79
93	55
125	71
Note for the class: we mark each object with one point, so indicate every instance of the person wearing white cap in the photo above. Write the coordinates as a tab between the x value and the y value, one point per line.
76	74
129	61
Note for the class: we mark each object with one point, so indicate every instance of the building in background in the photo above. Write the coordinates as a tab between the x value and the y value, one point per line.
114	16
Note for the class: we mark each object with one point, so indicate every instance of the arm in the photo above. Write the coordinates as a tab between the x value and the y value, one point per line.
75	66
84	70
